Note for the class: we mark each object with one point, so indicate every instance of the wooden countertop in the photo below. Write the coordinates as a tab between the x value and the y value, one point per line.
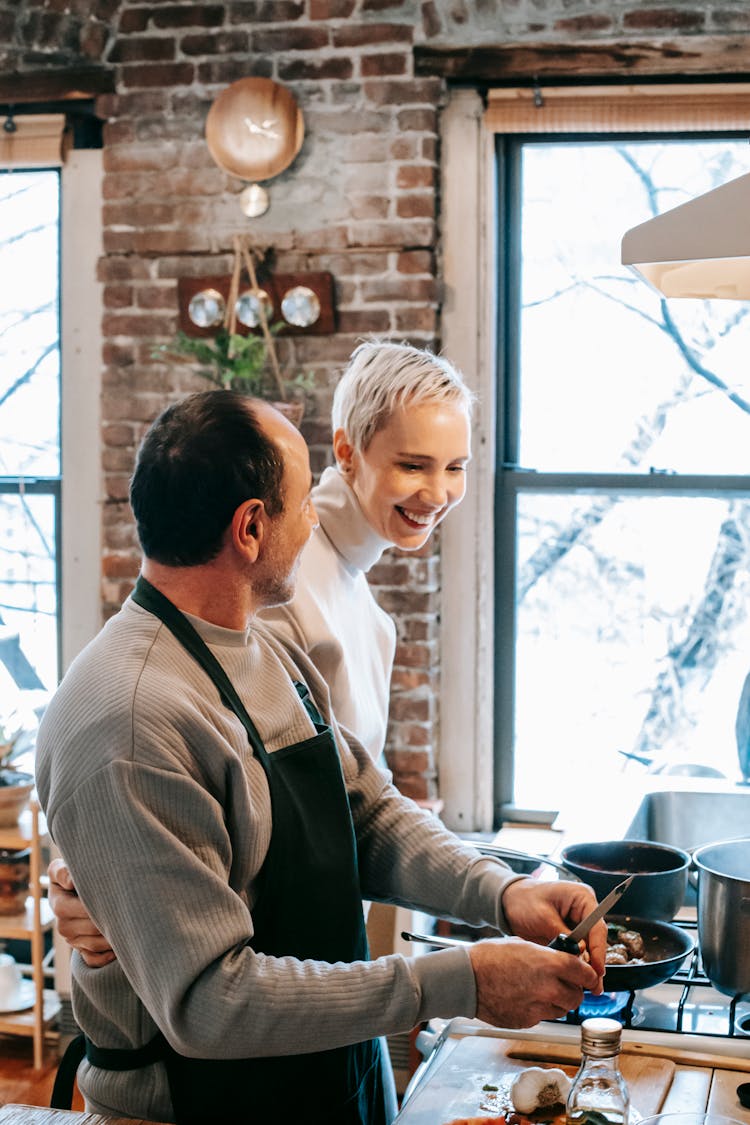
12	1114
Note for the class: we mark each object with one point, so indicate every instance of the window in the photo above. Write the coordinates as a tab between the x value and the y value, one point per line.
623	477
50	381
30	455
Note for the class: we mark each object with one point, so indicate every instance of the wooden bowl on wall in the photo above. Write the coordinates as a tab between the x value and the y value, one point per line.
254	129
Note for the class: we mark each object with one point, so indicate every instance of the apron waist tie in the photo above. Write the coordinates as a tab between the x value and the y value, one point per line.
108	1058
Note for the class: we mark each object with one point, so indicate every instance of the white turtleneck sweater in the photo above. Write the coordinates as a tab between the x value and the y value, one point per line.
334	617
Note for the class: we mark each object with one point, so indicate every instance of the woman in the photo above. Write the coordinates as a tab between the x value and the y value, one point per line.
401	440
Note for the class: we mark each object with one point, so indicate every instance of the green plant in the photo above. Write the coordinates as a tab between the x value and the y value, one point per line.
235	362
15	741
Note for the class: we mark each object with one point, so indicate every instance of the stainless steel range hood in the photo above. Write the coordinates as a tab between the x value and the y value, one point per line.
699	249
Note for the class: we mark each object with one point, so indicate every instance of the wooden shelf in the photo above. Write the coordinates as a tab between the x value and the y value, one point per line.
25	1023
19	927
30	925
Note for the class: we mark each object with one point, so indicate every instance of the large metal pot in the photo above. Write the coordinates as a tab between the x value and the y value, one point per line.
661	872
724	913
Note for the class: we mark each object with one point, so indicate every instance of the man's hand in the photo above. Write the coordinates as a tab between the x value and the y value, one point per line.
520	983
73	922
540	911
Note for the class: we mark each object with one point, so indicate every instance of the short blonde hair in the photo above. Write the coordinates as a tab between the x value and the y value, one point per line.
381	376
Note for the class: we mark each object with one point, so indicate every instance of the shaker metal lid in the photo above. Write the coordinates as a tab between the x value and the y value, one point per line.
600	1036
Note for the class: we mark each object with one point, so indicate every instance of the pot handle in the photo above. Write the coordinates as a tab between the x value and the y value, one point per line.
692	871
510	853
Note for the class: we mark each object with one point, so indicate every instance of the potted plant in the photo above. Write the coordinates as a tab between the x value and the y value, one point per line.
243	364
16	784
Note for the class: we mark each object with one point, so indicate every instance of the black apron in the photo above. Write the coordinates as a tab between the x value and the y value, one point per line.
309	906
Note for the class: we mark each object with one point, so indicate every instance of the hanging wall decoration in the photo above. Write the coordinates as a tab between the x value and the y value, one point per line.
254	130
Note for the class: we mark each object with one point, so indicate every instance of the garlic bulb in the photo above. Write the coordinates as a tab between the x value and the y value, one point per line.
538	1086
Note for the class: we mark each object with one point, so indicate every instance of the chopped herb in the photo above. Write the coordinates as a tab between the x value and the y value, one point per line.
488	1087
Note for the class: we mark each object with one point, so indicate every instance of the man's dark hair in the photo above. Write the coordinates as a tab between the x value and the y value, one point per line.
201	458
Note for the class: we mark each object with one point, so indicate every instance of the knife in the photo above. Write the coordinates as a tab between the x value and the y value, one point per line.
565	943
568	943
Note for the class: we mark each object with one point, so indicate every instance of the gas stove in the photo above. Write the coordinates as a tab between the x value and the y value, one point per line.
685	1012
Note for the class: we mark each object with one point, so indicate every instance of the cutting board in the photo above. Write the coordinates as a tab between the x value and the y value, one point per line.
453	1085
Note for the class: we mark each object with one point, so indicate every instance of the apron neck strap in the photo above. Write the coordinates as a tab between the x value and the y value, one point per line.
151	599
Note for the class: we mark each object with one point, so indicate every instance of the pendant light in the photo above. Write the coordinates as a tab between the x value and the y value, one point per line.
699	249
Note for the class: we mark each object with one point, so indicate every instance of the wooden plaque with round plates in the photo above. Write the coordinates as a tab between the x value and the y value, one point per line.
254	129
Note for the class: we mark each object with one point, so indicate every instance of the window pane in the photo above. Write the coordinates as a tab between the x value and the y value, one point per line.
29	324
633	639
28	601
612	378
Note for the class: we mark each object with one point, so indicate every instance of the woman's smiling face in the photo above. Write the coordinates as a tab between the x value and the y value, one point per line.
412	472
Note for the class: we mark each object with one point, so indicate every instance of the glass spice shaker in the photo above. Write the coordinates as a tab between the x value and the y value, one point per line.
598	1095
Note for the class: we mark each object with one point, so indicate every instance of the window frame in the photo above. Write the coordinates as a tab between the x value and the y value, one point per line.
514	478
76	490
478	579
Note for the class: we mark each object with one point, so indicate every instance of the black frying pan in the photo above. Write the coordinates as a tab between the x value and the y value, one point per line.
666	948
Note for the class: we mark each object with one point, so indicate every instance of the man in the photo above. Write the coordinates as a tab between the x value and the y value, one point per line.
221	829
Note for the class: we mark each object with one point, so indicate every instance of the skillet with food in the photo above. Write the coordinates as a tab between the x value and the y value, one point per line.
664	949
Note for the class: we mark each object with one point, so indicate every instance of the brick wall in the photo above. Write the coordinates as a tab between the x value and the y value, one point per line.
360	200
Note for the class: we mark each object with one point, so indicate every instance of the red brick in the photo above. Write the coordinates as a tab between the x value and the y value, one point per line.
93	40
215	43
118	434
157	297
266	11
392	234
417	319
431	23
381	5
119	355
655	19
417	120
294	38
368	206
416	261
158	75
412	786
117	133
330	238
365	320
400	288
119	566
403	93
143	49
121	269
295	70
591	22
410	761
133	20
731	20
415	206
331	9
136	214
140	158
117	296
118	460
187	15
404	148
222	71
356	34
415	176
411	680
382	65
136	324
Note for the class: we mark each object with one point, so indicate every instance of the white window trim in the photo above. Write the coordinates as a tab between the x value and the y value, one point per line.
82	478
465	758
